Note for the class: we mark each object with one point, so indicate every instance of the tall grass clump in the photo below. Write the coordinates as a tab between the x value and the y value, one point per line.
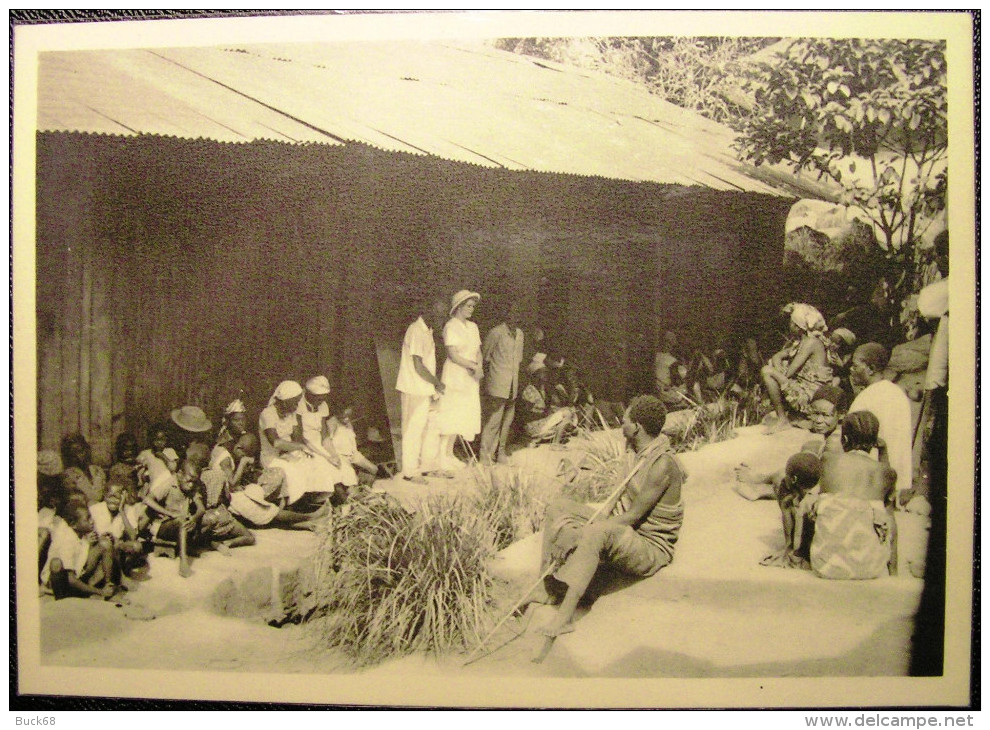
510	501
712	422
391	582
601	460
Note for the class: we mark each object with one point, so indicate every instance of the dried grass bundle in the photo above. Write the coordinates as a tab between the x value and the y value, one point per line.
393	582
511	501
716	421
602	462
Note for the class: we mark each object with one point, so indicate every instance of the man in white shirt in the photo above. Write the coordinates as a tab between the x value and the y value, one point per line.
419	388
889	403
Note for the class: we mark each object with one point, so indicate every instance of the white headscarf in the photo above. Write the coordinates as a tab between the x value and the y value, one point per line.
235	406
807	318
318	385
286	390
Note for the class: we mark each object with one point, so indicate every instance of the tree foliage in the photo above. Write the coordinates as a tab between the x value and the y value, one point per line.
836	107
700	74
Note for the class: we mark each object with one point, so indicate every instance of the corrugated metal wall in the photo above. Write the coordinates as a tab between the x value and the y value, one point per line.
175	271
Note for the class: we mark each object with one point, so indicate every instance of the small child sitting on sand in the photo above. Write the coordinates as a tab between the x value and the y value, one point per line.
175	504
120	523
79	563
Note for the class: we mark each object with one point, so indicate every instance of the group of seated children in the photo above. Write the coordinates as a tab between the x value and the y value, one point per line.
187	492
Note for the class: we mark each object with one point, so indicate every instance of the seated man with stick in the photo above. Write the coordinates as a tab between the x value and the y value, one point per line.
644	516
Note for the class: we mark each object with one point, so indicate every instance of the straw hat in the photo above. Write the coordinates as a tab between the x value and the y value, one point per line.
191	418
256	494
49	463
460	297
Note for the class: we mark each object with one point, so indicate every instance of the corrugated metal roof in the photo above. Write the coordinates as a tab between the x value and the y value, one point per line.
466	103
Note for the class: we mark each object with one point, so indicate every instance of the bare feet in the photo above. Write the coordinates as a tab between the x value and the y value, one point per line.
781	424
323	511
753	491
537	595
221	548
784	559
553	629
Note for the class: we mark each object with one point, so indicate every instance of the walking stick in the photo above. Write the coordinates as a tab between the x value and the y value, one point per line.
184	570
606	506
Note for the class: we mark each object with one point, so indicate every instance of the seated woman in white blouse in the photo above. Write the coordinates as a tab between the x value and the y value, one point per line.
280	432
314	413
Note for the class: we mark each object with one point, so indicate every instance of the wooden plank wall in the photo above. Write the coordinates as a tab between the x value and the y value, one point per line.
75	375
179	272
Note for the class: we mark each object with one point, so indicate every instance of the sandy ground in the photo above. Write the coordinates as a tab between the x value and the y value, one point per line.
713	613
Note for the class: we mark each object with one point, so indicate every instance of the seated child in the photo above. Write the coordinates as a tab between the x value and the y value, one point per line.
121	522
251	502
81	474
341	430
175	504
79	563
158	462
49	491
124	468
801	474
219	528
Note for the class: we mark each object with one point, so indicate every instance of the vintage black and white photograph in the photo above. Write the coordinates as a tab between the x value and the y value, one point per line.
483	358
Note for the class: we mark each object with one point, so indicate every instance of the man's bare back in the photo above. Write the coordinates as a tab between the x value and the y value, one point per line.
856	474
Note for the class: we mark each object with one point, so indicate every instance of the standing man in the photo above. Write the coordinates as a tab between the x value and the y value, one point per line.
420	388
889	403
502	354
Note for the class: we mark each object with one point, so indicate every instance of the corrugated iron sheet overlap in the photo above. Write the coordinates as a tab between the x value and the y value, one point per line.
461	102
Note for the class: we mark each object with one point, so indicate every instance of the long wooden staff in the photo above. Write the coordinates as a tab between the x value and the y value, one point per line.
606	506
184	570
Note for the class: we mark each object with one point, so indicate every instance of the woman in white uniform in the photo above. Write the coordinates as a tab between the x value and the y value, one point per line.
282	446
314	413
460	405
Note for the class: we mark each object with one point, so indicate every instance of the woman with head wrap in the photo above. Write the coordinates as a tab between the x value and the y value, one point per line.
233	428
314	413
460	405
280	432
235	423
794	374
